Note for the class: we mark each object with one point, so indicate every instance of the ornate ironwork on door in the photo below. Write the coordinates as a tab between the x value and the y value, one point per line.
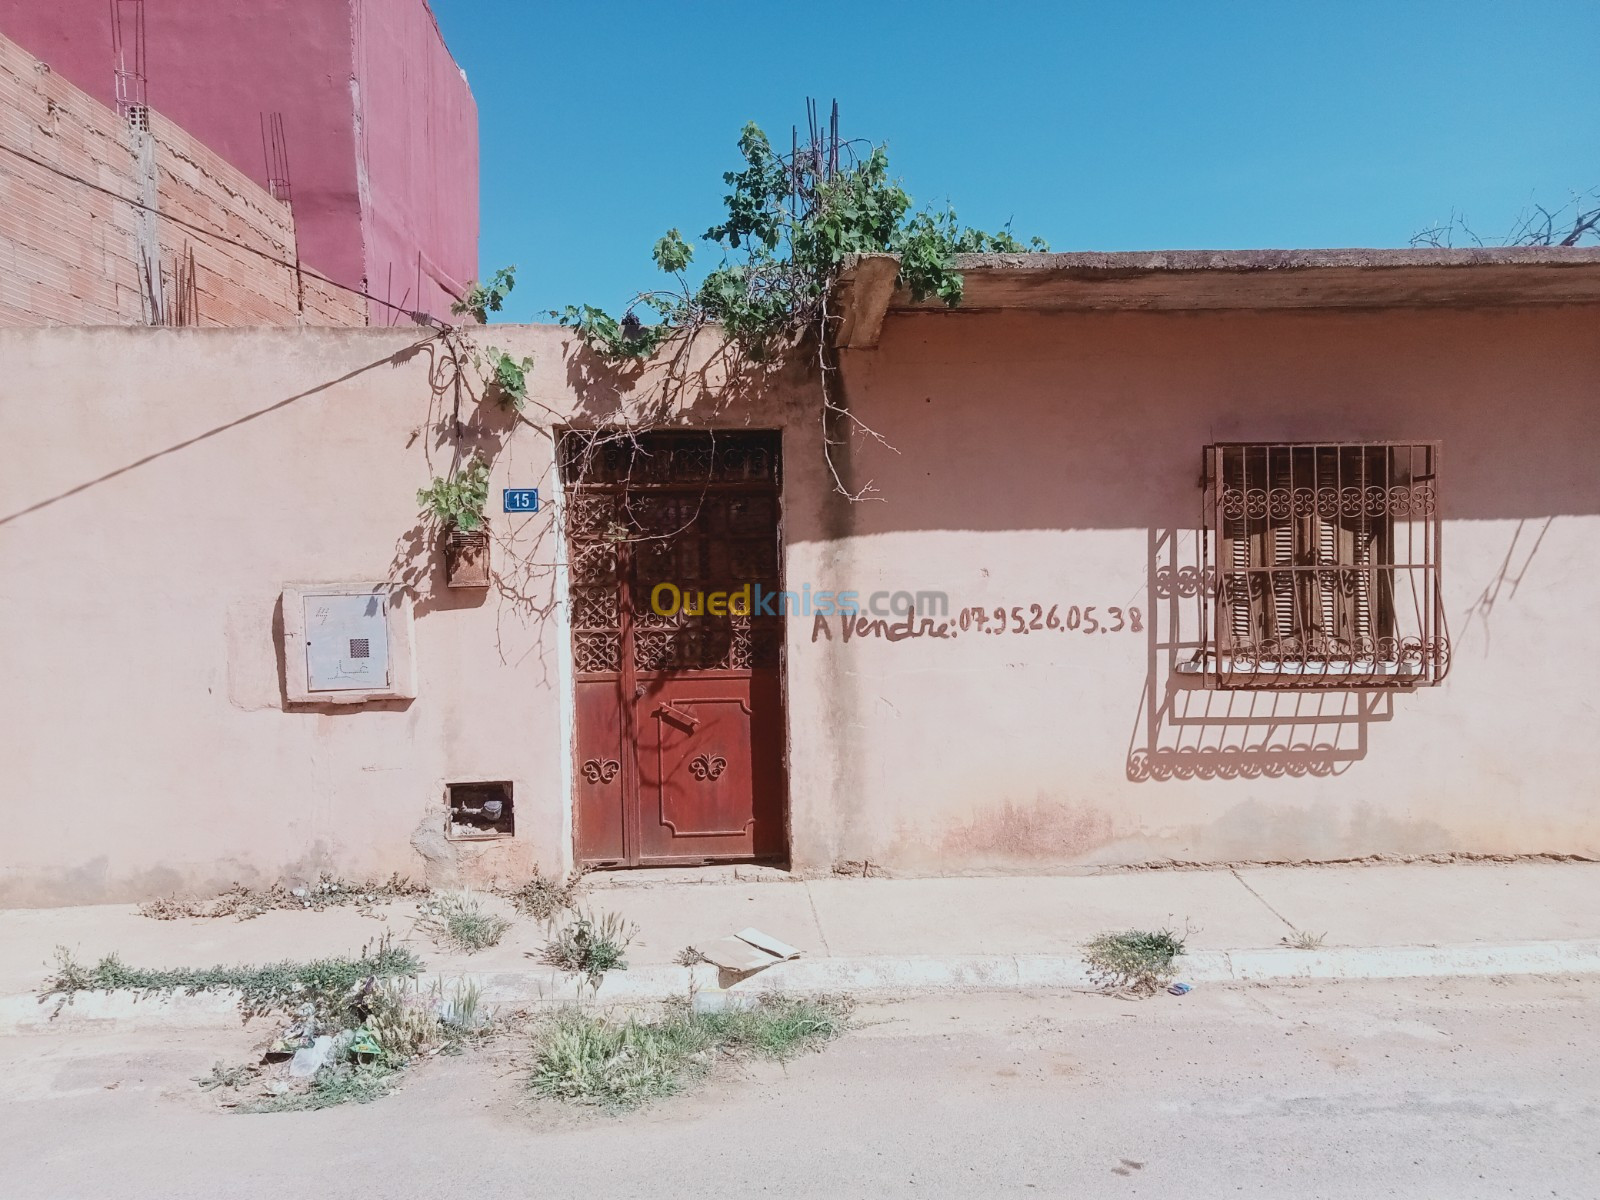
673	551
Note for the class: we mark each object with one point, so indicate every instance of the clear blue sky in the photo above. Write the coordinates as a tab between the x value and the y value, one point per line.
1105	126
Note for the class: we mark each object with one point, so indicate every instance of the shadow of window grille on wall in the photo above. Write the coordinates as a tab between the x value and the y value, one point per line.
1187	728
1322	566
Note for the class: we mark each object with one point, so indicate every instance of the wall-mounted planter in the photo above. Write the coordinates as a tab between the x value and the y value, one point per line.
466	557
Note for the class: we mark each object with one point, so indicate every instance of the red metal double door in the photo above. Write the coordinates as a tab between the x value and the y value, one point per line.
672	538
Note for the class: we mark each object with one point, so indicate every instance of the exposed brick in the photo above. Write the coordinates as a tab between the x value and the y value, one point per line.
71	253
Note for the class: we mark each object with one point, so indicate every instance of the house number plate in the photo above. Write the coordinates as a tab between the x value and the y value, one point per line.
520	500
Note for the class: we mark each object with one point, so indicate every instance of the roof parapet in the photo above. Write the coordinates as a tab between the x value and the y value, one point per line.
1221	280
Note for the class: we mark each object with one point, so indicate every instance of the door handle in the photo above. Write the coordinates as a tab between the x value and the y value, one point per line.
688	721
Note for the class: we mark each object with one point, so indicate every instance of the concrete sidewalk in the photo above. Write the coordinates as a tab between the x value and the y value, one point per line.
887	935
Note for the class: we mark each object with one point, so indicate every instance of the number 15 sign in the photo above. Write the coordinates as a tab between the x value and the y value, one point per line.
520	500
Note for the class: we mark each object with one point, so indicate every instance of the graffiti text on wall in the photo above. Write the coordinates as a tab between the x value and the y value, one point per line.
999	621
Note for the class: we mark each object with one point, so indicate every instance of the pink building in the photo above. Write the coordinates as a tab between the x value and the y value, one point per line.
380	124
1180	557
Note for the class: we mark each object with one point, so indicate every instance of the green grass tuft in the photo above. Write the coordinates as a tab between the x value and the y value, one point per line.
1136	961
590	946
458	921
586	1058
343	1084
246	903
1302	939
326	983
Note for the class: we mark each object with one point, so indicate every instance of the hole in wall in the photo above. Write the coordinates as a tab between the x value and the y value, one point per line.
480	810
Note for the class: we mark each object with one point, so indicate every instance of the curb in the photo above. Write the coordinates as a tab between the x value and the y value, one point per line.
866	976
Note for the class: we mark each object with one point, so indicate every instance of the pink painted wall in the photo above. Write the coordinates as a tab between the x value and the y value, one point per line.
158	488
1055	459
419	143
215	66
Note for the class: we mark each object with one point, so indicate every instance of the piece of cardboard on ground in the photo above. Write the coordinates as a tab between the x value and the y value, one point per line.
748	950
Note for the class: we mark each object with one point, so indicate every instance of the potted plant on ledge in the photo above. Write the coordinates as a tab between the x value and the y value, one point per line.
456	503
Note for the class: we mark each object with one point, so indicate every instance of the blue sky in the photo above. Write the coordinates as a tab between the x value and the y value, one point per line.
1103	126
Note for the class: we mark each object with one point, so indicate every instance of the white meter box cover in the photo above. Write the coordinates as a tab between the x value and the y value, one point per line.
347	643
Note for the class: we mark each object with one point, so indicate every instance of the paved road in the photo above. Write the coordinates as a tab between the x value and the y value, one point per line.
1451	1089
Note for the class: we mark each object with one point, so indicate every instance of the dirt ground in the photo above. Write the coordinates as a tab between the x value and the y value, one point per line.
1460	1088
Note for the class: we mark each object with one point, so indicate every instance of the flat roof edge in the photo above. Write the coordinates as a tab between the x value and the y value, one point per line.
1227	280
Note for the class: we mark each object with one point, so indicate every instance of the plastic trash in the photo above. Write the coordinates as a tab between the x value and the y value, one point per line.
308	1060
1180	989
717	1000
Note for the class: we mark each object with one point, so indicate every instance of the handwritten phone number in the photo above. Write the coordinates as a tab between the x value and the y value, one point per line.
1090	619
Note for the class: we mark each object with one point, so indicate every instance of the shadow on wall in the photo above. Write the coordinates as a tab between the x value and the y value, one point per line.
1525	545
698	380
396	359
1185	730
460	426
465	419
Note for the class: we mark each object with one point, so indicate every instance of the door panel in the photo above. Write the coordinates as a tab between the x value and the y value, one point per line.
691	700
710	775
601	783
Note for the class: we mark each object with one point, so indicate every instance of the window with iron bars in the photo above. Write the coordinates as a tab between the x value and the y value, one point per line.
1325	562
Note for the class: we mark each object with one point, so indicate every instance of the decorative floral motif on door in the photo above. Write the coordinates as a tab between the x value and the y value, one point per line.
707	766
601	770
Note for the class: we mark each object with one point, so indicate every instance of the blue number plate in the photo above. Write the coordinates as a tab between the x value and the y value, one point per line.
521	500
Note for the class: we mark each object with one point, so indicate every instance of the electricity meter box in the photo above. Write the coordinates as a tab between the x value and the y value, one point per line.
347	643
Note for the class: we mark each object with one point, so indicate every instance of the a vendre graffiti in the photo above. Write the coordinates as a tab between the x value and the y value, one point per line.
922	614
999	621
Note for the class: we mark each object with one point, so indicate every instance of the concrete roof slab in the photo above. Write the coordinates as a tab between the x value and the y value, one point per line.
1212	280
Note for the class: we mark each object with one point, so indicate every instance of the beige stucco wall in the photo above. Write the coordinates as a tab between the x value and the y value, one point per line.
159	487
1056	459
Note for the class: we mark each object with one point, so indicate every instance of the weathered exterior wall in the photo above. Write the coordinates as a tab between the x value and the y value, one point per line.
159	487
73	254
381	126
1057	459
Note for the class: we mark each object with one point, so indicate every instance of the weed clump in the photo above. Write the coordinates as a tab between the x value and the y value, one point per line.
325	984
544	897
590	946
1302	939
587	1058
458	921
358	1020
342	1083
245	903
1135	962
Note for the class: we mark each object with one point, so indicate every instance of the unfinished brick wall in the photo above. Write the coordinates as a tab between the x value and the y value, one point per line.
82	255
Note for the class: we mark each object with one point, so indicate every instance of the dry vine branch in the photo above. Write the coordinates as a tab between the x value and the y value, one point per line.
1568	225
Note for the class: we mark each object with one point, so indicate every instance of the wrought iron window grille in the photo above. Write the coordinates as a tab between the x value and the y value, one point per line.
1322	566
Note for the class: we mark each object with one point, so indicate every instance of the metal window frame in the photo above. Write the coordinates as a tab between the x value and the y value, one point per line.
1418	657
